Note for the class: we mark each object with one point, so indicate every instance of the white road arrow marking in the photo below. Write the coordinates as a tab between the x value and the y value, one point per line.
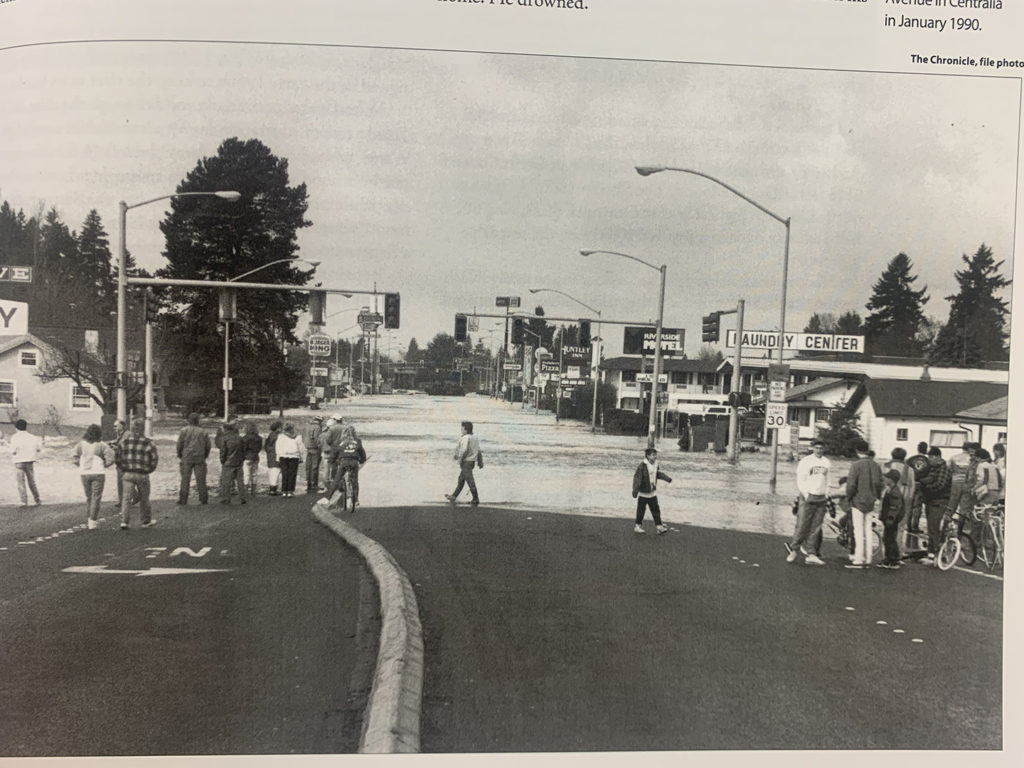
144	572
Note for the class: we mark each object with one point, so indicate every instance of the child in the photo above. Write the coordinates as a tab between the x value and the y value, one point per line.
891	512
645	491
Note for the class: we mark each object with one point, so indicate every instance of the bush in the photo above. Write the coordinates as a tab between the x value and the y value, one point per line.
625	423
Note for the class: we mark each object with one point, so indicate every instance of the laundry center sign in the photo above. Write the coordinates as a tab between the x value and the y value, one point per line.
798	342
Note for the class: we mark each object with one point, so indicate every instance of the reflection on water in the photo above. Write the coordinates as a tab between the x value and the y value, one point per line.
532	462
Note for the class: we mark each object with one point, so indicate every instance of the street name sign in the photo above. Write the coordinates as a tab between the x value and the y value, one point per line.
798	342
369	318
507	301
513	367
318	371
319	345
638	340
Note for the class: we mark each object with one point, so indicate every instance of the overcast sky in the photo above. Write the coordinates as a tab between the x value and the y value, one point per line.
457	177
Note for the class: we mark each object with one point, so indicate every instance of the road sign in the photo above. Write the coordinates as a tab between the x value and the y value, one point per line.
645	378
574	382
473	323
798	342
775	415
225	384
506	301
318	371
513	367
370	318
640	341
776	391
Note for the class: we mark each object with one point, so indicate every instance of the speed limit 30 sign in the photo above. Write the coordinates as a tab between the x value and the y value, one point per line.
775	415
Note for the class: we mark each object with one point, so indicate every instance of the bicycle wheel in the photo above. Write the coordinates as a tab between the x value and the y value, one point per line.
987	550
876	543
968	551
948	553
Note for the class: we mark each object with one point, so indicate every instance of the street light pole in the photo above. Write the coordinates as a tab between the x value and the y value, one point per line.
652	419
595	355
121	375
647	170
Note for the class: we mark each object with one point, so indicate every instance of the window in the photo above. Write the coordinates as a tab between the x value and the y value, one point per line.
630	404
947	439
679	377
628	376
803	416
29	358
901	435
81	398
7	393
823	414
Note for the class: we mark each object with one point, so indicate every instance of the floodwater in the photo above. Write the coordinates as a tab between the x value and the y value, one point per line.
533	462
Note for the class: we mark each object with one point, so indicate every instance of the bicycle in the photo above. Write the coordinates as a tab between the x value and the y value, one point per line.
991	518
843	531
950	541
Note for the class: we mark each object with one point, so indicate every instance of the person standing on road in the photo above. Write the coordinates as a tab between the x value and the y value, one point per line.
989	482
863	489
24	447
468	455
193	449
962	468
935	488
999	459
290	450
137	458
891	509
351	456
232	456
335	431
92	457
645	491
919	463
252	444
273	466
323	443
312	440
812	483
120	430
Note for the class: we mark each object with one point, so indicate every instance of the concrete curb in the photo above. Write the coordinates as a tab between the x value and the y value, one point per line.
391	722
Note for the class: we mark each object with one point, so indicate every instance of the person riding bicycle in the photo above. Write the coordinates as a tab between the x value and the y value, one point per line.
350	456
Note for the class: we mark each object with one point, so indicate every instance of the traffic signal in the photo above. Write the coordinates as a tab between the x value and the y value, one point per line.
460	327
711	327
392	307
517	330
317	305
149	302
584	333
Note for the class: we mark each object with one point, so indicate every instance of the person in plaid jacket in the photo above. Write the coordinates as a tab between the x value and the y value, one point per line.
136	457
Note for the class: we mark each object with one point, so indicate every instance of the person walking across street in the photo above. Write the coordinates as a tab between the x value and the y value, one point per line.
468	455
645	491
812	483
890	512
137	458
232	457
290	450
935	488
193	449
24	448
252	444
273	466
120	431
92	457
351	456
311	437
863	489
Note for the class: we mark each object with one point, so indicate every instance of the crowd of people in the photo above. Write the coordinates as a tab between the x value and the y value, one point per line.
896	493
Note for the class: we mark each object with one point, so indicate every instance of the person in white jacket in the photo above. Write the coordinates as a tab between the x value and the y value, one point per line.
812	483
24	447
290	451
92	457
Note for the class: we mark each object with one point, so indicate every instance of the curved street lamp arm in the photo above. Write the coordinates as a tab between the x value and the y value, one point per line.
224	195
563	293
314	264
647	170
584	252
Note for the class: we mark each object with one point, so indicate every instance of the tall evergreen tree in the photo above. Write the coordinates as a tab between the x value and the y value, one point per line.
976	329
897	311
213	239
95	272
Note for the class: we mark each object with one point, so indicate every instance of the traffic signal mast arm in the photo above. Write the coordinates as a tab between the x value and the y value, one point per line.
165	282
642	324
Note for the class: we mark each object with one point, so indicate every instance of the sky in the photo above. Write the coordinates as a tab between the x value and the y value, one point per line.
457	177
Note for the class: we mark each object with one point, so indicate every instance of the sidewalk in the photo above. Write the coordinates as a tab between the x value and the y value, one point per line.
563	632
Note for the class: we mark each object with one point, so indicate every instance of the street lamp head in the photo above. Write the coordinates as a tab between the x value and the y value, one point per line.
313	264
230	196
585	252
647	170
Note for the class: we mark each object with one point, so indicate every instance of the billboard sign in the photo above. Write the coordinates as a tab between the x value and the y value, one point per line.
13	318
798	342
639	340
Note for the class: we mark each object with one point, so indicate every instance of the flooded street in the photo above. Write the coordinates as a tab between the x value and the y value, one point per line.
532	462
